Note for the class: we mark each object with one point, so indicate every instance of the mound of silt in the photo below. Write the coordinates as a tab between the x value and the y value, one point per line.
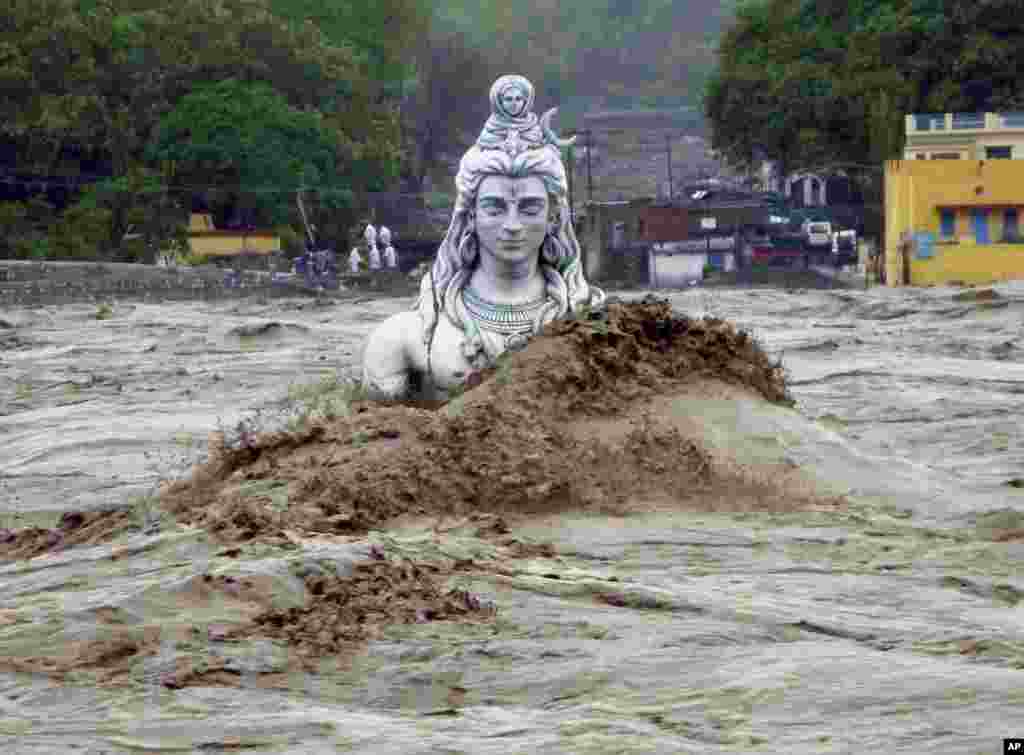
574	421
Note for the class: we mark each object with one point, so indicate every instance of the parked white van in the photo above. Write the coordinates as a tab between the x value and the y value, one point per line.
818	233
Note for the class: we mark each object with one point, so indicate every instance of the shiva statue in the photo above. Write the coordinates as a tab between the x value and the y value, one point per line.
509	262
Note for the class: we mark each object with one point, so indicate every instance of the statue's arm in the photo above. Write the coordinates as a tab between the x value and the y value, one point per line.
388	357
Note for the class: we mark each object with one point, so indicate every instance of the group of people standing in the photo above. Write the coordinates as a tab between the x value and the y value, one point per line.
374	255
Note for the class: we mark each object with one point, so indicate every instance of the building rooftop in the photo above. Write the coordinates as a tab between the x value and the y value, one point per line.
923	123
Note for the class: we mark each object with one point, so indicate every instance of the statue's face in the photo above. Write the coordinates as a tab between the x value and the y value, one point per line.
511	217
513	99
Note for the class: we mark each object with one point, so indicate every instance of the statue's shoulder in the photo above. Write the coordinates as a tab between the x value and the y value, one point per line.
394	353
401	331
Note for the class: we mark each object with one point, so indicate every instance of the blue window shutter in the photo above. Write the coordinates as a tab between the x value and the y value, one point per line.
948	223
980	218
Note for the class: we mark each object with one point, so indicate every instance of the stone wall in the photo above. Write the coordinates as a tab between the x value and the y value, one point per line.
24	283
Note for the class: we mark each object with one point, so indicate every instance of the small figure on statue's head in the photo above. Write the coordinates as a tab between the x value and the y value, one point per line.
509	263
512	125
514	96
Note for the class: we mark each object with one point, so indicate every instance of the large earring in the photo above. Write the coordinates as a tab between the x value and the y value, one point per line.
468	246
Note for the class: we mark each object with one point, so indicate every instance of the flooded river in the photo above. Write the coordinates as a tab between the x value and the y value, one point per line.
894	625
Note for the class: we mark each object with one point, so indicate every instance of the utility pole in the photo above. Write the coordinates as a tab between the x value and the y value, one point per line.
571	160
668	159
590	177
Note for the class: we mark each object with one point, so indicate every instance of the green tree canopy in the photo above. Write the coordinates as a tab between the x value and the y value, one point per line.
96	78
814	83
246	137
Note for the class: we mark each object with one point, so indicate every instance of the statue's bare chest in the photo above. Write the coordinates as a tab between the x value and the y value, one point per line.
448	366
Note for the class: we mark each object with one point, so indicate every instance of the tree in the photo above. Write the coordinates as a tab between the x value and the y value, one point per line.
246	138
821	82
380	34
96	77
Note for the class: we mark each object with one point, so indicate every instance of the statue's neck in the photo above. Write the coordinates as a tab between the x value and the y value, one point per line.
508	284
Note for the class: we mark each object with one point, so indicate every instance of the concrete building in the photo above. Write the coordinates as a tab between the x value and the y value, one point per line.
611	234
206	240
964	136
952	221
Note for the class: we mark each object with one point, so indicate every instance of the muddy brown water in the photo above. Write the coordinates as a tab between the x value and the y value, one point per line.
892	622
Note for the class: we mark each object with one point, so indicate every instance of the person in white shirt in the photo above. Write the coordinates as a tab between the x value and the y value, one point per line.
390	255
372	253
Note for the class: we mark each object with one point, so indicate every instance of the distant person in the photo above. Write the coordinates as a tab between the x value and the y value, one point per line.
390	255
372	253
355	260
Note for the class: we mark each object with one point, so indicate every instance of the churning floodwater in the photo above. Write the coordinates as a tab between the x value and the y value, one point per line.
893	625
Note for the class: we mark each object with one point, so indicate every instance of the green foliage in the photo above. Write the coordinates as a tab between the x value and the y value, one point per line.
23	229
246	136
96	79
828	83
194	259
379	33
80	232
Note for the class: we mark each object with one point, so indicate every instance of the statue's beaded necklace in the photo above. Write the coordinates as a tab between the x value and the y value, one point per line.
498	327
507	319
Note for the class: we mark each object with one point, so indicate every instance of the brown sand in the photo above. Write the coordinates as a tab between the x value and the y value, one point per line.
74	528
566	423
344	612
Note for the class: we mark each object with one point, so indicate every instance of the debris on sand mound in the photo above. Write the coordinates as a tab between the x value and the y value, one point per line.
344	611
562	424
74	528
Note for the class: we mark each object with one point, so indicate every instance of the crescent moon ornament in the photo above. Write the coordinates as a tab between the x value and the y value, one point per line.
549	134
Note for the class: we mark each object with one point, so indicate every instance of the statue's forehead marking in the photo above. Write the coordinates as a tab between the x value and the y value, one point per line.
506	187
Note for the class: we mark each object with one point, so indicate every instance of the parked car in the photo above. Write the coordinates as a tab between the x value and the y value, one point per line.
817	234
778	251
844	247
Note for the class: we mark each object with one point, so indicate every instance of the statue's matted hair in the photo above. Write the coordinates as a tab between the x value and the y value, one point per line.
457	256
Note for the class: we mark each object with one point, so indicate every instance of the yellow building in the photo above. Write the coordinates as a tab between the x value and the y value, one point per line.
964	136
953	221
205	239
